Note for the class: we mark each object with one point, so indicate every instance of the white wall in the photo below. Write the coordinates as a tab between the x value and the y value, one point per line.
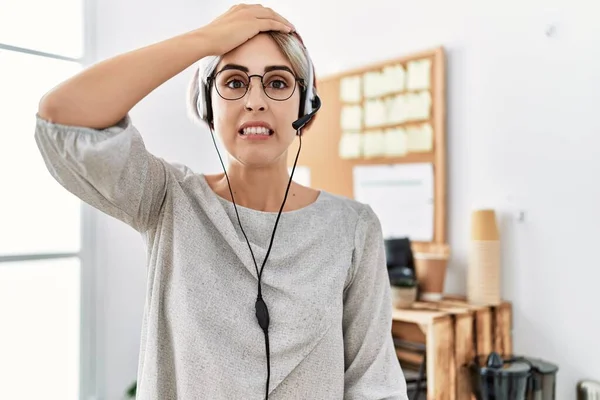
522	135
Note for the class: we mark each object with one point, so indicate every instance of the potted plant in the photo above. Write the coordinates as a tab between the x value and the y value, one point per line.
131	391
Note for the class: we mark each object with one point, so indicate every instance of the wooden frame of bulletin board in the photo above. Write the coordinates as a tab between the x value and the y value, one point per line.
332	170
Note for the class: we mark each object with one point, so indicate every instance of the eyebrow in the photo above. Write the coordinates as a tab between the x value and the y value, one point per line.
268	68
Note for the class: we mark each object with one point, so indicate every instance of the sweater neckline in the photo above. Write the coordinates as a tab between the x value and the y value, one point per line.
229	203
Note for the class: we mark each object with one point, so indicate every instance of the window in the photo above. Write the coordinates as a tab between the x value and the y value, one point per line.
37	214
41	275
54	26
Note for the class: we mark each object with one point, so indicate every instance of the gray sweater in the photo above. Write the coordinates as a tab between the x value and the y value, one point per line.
325	282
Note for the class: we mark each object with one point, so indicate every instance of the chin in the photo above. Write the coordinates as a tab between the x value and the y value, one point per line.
257	158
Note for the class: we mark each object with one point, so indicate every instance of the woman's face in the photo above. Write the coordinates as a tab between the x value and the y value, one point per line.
256	128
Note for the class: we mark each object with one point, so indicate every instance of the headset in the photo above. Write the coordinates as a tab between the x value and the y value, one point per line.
310	103
309	100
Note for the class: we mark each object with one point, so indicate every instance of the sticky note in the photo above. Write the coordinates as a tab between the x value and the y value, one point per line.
351	117
419	74
419	138
398	109
350	91
350	145
395	142
373	144
418	106
395	76
375	113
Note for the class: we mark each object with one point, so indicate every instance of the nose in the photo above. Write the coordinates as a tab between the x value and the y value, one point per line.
256	98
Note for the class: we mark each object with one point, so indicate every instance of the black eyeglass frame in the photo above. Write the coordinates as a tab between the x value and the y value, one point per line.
212	79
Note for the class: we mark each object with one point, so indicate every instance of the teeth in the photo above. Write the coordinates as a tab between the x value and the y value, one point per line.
256	130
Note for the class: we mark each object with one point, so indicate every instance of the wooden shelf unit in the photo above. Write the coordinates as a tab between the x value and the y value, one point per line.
454	332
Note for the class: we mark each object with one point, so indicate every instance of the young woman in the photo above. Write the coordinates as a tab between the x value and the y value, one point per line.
258	287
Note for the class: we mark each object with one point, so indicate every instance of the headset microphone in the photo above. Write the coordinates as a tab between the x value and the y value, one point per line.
300	122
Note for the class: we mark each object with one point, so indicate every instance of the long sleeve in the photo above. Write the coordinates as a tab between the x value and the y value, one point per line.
372	370
110	169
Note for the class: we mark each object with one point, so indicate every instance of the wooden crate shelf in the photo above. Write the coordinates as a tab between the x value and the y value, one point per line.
434	329
453	332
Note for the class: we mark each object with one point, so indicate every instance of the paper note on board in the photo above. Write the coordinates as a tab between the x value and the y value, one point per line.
351	117
371	84
398	109
395	77
395	142
419	74
350	89
373	144
350	145
418	106
375	113
401	195
378	83
419	138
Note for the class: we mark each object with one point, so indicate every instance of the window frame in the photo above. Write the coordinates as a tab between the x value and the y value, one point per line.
91	361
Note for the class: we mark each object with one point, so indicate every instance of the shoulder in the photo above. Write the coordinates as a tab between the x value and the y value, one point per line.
360	214
184	181
363	222
347	204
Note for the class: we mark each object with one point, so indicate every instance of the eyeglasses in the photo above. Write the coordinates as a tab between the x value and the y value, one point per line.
233	84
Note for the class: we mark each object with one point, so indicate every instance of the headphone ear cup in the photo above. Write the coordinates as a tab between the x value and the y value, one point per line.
302	109
208	106
307	101
315	101
204	103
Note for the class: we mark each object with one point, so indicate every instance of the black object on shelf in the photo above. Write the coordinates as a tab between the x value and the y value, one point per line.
398	253
588	389
402	277
512	378
494	379
400	262
543	379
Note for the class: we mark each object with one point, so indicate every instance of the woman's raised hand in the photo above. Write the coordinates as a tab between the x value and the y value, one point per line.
241	23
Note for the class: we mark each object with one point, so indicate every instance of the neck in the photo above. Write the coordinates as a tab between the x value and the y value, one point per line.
260	189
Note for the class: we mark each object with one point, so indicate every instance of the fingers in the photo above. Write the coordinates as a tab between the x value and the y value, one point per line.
273	25
267	13
281	18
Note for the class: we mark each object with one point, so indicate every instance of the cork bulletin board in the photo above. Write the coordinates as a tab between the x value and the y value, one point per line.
388	114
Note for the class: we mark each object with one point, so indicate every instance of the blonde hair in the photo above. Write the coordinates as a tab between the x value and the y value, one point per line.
291	46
